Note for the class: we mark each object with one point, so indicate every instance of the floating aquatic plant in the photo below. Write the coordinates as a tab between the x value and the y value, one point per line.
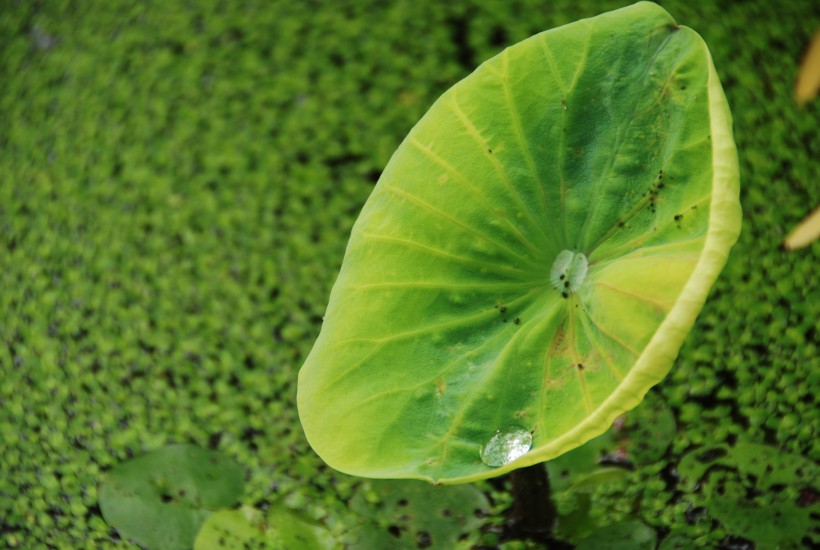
162	498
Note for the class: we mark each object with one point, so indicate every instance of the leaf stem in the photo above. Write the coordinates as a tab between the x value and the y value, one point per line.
534	515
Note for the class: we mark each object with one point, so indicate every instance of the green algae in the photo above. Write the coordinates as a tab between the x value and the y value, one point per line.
179	185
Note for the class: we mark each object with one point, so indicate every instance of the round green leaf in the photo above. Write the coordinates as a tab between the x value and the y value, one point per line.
280	529
161	499
233	529
532	257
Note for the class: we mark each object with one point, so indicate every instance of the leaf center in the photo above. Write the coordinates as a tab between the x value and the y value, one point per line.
568	272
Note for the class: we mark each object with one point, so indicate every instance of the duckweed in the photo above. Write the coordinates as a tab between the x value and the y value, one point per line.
179	185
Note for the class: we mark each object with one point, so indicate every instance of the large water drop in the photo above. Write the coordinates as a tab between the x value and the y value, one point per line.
569	271
506	445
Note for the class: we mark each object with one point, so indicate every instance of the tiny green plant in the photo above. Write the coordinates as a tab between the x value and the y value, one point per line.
532	257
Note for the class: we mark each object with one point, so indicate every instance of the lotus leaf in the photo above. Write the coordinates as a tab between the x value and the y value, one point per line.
532	257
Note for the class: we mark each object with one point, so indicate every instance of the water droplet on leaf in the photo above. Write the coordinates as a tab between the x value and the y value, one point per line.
569	271
506	444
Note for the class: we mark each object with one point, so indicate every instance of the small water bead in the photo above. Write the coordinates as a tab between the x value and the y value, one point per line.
506	444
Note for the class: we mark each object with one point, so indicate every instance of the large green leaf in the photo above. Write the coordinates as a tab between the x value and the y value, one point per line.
532	257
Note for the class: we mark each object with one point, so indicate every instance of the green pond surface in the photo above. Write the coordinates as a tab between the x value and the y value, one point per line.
178	182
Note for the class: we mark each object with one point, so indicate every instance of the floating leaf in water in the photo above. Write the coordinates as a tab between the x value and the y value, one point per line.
161	499
278	529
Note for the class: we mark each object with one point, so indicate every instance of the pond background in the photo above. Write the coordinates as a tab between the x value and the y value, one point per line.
179	180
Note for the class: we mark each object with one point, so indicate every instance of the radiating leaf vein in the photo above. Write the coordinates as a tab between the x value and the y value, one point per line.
576	360
465	320
458	223
583	61
524	144
549	353
663	307
502	174
601	350
611	336
430	154
636	244
440	285
427	249
551	62
620	134
469	398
